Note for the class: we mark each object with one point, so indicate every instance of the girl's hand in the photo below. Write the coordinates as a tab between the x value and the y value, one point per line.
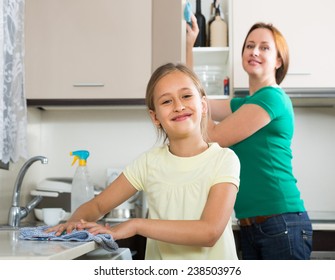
93	227
120	231
67	227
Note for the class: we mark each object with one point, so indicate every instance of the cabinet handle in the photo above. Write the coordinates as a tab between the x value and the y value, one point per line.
89	85
299	73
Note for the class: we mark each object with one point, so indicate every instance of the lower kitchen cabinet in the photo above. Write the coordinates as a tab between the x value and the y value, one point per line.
323	244
136	244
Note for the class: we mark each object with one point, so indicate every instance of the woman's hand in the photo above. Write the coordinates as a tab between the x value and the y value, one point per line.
192	31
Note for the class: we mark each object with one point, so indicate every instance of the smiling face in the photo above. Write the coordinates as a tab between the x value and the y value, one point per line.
260	56
179	108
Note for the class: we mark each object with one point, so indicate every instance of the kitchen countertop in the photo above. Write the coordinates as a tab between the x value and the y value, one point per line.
323	226
322	220
13	248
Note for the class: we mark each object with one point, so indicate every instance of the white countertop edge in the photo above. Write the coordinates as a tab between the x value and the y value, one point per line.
79	249
323	226
75	252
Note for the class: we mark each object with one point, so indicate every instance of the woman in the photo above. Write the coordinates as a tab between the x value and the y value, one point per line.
190	184
259	128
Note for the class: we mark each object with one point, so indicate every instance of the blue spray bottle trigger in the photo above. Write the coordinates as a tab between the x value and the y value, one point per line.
188	13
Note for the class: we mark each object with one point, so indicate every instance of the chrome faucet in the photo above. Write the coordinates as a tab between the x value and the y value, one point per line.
16	213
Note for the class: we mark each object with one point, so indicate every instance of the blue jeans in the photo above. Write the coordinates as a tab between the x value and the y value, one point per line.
282	237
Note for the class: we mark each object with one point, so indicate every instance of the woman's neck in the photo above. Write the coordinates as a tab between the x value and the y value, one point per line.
256	84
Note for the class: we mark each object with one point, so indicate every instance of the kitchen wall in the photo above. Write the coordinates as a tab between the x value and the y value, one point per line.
117	136
114	138
314	157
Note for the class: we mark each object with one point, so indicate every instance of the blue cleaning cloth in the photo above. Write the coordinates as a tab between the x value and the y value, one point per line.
106	241
188	13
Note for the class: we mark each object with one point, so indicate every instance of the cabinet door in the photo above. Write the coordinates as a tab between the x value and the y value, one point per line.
84	49
308	28
168	32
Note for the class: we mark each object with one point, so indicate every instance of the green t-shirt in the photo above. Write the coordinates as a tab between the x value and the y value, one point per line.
267	183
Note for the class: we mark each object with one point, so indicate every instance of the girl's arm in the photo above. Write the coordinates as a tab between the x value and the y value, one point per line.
203	232
115	194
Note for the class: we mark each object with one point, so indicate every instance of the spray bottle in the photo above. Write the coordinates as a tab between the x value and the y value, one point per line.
82	188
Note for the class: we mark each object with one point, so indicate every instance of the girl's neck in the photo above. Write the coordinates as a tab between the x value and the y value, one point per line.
188	147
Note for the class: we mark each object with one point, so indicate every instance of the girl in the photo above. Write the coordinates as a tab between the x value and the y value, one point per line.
190	184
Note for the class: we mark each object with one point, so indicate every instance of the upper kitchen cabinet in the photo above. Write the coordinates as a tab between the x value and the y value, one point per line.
308	28
87	50
168	32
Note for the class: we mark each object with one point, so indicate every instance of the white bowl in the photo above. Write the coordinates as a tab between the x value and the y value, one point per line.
39	215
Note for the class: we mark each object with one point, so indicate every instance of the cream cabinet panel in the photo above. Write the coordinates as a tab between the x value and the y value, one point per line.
308	27
84	49
168	32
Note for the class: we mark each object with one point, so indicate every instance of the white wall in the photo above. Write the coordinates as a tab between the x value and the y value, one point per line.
314	157
116	136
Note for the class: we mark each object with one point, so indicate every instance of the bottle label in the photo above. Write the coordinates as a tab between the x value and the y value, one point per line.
226	86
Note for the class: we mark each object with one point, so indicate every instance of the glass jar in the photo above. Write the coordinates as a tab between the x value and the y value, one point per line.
211	78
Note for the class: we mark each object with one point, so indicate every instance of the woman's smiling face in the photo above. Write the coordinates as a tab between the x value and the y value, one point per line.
178	105
260	57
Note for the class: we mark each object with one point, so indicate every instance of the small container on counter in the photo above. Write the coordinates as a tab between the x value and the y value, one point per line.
226	86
